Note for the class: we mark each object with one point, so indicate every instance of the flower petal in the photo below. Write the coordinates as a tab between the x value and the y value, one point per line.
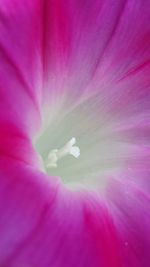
43	224
92	44
21	67
130	207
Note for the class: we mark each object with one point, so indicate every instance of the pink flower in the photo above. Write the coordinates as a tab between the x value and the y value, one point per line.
74	133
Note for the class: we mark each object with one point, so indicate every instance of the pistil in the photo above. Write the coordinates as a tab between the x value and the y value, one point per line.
56	154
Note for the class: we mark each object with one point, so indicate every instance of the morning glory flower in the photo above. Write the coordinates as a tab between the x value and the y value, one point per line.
74	133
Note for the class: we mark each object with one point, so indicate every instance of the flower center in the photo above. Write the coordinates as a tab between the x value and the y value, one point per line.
56	154
96	130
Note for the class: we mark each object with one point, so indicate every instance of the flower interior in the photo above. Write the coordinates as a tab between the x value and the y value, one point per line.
79	143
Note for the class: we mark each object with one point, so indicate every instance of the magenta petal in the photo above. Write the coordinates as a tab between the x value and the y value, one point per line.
130	207
43	224
76	37
20	67
14	144
90	45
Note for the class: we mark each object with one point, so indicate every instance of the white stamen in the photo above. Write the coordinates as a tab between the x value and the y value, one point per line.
56	154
